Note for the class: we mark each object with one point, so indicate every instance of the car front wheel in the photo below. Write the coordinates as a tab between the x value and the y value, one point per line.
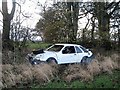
86	60
51	61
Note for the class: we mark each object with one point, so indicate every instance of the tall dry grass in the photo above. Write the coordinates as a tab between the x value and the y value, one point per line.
116	58
99	65
1	85
8	78
75	72
26	74
94	67
43	73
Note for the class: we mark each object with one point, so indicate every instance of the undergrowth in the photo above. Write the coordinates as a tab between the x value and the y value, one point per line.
99	73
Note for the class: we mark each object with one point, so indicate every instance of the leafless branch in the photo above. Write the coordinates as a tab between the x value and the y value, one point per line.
21	10
1	21
1	12
116	5
1	25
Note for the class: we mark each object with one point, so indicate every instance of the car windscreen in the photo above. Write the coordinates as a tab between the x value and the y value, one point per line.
84	49
55	48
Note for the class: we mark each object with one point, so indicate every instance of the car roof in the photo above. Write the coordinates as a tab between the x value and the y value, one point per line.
67	44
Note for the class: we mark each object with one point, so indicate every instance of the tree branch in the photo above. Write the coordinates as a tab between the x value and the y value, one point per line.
1	25
110	5
1	21
116	5
85	14
87	24
1	12
20	10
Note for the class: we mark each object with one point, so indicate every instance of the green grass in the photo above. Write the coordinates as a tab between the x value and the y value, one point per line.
38	45
104	80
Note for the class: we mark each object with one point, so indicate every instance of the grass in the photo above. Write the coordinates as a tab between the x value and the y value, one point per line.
104	80
107	80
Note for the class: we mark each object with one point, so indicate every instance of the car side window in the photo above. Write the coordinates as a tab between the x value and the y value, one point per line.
68	50
78	49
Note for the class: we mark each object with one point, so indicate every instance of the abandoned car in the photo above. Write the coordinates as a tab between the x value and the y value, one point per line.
61	54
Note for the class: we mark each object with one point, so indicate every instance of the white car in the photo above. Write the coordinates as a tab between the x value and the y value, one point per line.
61	54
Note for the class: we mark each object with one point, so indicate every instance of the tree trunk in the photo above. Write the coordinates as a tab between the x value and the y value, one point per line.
119	37
73	12
6	24
6	32
93	29
103	26
83	35
69	19
75	19
103	23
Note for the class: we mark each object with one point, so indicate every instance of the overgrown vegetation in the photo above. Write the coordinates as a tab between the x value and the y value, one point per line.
102	72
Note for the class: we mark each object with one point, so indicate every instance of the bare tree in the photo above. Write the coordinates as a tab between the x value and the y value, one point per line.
7	17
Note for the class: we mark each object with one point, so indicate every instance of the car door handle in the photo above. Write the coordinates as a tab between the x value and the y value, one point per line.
75	54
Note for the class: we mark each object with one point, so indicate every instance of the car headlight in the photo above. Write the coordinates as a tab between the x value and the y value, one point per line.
35	62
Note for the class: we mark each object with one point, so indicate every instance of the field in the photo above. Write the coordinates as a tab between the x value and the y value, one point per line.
102	72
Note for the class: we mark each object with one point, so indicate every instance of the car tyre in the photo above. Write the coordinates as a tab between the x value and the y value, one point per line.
51	61
84	59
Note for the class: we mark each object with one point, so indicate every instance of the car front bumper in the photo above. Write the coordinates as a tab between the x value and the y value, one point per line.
34	61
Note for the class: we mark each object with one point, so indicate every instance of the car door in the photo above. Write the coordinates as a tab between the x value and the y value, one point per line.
68	55
79	54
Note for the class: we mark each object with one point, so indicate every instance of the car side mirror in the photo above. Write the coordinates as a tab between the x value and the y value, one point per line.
87	49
